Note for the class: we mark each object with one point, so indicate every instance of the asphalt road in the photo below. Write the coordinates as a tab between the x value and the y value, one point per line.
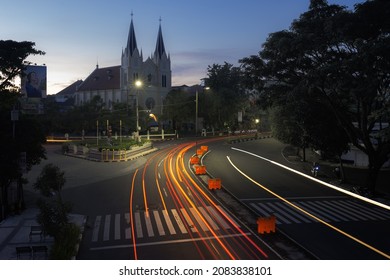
159	210
155	208
328	223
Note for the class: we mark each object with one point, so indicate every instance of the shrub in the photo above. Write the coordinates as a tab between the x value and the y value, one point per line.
65	245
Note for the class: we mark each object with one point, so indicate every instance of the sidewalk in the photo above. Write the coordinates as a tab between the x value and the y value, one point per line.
15	229
15	233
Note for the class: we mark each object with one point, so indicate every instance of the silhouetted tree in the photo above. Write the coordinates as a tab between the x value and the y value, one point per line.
339	59
22	136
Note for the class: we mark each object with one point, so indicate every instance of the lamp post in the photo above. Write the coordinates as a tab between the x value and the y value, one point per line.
197	108
138	84
196	113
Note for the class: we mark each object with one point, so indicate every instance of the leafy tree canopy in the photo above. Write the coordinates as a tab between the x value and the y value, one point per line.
339	59
13	60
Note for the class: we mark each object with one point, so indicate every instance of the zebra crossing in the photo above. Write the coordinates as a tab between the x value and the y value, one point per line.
160	223
335	210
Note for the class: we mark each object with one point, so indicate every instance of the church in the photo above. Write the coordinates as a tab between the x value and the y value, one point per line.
135	80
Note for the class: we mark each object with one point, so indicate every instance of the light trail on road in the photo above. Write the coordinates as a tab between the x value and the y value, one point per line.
306	212
212	232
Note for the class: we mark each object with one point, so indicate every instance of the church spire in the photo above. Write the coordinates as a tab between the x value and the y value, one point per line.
131	41
160	48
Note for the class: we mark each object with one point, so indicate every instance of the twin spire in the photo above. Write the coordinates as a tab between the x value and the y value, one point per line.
132	42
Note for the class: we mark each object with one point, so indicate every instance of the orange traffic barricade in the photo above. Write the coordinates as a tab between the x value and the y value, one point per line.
266	224
204	148
200	170
199	152
194	160
214	184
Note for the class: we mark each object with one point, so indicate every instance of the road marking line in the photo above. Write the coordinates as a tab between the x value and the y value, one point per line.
376	213
168	242
208	218
284	213
278	215
218	217
138	226
199	219
96	227
106	233
168	221
386	255
237	225
117	235
318	210
160	227
341	211
315	179
293	212
127	228
333	212
179	222
188	220
149	227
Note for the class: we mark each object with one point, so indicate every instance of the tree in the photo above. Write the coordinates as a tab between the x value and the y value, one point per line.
179	108
226	97
24	136
53	211
13	60
339	59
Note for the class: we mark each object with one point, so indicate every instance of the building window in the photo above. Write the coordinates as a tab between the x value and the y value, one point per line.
164	81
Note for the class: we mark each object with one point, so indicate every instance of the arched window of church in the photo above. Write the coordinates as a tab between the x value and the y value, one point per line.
149	78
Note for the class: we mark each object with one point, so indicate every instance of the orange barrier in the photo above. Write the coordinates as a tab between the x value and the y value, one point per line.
194	160
215	184
266	224
199	152
202	150
200	170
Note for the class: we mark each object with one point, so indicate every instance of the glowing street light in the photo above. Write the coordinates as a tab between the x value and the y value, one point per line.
197	108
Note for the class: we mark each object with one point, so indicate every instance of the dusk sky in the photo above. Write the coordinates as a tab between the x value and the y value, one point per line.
76	34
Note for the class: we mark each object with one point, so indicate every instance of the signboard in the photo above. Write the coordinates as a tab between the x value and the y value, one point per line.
34	82
33	89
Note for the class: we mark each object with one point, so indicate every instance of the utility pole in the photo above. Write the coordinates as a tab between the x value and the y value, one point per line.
196	113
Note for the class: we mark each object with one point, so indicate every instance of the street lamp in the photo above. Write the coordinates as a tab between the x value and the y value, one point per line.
197	108
196	113
138	84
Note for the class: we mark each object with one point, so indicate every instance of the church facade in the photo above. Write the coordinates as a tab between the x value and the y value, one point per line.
148	81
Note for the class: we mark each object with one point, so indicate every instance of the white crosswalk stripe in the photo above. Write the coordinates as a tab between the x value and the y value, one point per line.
138	226
117	227
179	221
336	210
161	223
127	226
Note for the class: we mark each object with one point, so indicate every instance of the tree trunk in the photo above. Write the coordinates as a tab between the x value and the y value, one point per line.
373	172
342	171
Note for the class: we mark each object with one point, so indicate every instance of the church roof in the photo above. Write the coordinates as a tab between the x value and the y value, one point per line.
160	48
69	90
131	41
102	79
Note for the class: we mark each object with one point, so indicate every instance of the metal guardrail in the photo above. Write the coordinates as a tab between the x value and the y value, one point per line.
110	155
